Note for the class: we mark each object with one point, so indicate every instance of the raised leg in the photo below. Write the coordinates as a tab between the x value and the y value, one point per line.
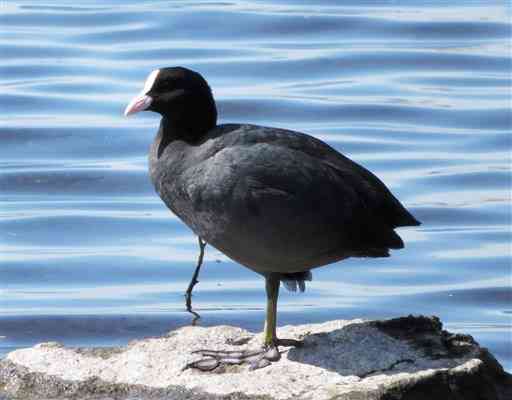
258	358
194	281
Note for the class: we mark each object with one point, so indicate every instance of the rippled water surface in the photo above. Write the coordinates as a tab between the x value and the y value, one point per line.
416	91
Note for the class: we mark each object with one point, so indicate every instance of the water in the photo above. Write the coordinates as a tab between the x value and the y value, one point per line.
417	91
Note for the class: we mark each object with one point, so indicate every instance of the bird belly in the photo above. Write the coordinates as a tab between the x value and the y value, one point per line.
266	246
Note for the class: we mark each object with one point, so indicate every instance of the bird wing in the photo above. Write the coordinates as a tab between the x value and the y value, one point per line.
276	199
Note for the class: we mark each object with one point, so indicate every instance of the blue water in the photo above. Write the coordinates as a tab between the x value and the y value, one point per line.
416	91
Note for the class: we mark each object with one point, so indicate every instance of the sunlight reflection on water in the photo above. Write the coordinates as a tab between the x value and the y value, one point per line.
417	92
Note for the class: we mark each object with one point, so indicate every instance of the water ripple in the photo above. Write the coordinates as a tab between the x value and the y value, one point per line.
418	92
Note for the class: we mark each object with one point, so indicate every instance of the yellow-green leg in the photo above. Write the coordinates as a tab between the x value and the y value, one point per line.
272	287
256	359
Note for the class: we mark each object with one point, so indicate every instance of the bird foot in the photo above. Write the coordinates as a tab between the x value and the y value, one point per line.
255	358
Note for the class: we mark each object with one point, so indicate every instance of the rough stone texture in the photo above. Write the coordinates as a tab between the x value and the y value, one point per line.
409	358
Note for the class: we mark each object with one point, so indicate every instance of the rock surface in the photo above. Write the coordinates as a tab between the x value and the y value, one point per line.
408	358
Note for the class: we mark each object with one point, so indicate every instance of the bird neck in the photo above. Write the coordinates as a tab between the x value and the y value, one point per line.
172	130
191	118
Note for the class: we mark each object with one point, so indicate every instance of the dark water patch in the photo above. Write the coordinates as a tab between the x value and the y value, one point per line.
354	63
428	136
467	311
259	110
96	270
26	134
56	8
69	143
71	146
122	269
78	19
427	272
105	300
81	67
414	162
13	103
497	297
188	24
487	236
85	229
344	92
73	87
496	142
86	330
363	5
487	179
221	298
169	53
77	182
453	30
454	305
381	147
35	206
458	216
15	50
464	82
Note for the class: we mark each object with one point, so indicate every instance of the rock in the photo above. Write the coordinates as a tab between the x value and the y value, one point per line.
408	358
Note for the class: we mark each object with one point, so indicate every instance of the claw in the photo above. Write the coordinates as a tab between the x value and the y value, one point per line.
205	364
261	363
238	341
272	354
255	358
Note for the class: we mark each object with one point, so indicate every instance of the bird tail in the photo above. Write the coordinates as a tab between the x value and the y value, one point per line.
296	280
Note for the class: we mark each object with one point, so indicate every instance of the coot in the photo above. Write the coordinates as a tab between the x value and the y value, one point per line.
276	201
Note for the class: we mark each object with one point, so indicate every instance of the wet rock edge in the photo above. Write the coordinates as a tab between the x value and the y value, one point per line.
17	383
485	381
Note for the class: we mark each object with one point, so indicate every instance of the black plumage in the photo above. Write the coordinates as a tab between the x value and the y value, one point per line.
276	201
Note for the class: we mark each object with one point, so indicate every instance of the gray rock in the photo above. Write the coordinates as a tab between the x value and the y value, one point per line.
408	358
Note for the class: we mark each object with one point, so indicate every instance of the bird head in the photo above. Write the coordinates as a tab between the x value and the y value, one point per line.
181	96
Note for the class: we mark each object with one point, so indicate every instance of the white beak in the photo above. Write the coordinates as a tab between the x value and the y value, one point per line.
138	103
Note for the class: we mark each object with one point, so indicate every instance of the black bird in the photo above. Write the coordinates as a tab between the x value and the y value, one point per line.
276	201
